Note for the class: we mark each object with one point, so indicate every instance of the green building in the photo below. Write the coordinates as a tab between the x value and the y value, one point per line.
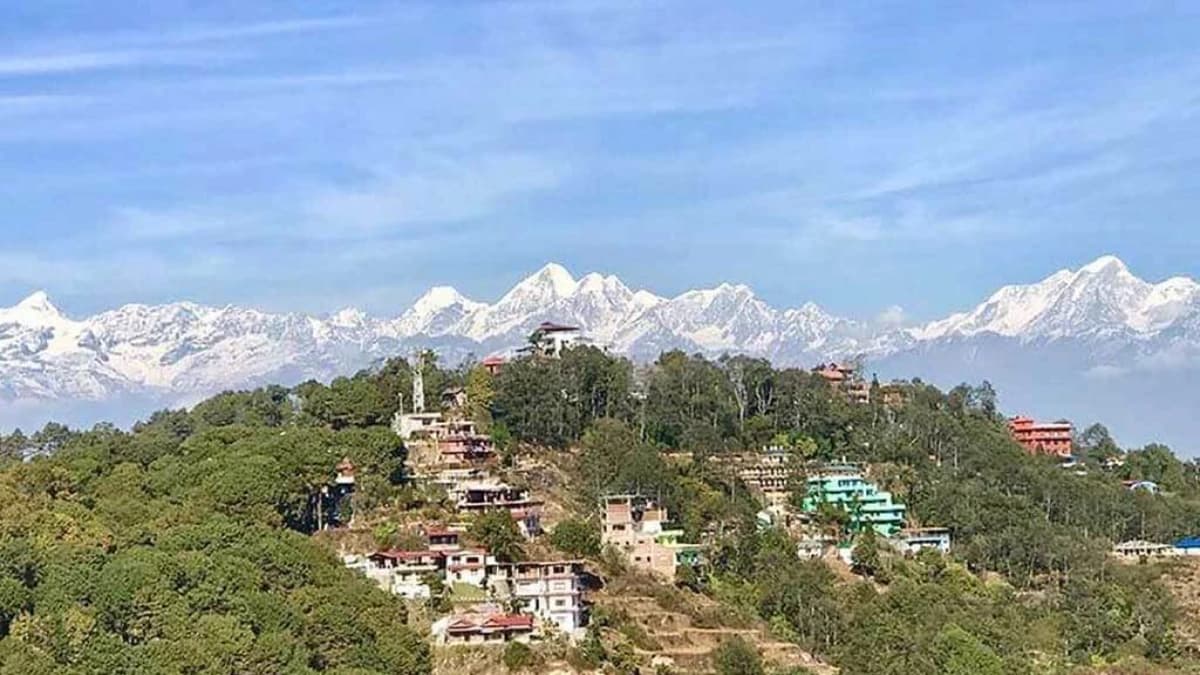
845	488
685	554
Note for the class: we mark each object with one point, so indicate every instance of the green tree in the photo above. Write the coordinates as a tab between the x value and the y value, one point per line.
866	554
958	652
576	537
496	530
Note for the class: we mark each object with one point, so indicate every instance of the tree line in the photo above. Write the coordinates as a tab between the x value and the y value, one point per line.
181	542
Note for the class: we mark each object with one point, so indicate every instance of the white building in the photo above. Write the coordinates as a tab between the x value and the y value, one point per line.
468	566
1138	549
550	339
550	590
403	573
417	425
913	541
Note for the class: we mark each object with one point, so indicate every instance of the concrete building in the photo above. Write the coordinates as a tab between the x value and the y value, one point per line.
550	339
915	540
1054	438
404	573
636	526
844	487
550	590
811	546
1138	549
769	476
468	566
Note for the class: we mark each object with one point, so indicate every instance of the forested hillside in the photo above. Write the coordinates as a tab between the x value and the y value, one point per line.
182	545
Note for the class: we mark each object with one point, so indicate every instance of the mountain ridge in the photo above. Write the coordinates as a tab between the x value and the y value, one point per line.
1113	321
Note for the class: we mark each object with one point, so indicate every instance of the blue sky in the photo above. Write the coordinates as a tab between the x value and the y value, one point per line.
322	154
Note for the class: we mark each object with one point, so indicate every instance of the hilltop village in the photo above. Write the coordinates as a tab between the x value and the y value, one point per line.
560	509
830	510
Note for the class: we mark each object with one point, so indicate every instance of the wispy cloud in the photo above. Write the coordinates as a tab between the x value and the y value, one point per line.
215	33
61	63
71	62
428	193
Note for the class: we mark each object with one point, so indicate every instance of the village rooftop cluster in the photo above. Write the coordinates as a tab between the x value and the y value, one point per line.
493	601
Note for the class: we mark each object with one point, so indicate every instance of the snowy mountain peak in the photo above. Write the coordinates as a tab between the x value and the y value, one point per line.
553	277
349	316
1102	298
183	351
1110	263
439	298
37	309
594	282
38	301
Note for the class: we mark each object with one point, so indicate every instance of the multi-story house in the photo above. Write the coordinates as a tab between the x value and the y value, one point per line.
1053	438
550	590
479	496
468	566
867	506
550	339
636	526
769	475
404	573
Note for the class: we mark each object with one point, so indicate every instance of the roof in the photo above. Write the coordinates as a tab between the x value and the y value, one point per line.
1188	542
465	624
1139	544
509	621
551	327
1021	420
466	551
494	360
406	555
542	563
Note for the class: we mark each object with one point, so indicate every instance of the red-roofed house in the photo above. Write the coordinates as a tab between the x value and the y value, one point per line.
469	629
493	364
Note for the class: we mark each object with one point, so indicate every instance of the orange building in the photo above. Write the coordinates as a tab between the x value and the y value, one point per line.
845	379
1053	438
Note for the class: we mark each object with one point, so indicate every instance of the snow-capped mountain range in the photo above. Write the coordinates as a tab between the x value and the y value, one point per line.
1110	321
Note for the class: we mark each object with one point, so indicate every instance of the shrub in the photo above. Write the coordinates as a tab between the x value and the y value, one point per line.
735	656
518	656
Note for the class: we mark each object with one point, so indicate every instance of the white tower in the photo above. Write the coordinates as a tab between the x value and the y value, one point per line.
418	396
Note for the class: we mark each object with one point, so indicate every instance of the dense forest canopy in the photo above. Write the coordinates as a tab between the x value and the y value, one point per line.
181	544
